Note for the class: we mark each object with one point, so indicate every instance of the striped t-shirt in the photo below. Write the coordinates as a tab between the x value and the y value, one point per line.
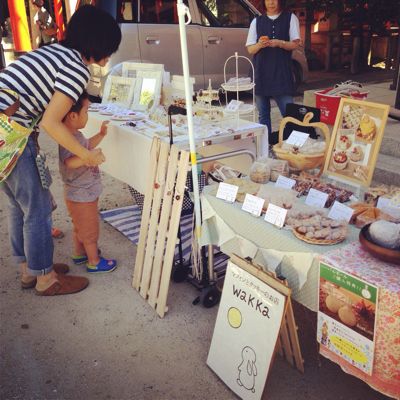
37	75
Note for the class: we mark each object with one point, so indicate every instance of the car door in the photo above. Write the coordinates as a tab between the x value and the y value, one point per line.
224	28
159	39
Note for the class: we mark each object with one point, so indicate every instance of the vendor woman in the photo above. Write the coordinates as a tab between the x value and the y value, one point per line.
271	39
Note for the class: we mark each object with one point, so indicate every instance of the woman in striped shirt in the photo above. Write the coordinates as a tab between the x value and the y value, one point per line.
47	82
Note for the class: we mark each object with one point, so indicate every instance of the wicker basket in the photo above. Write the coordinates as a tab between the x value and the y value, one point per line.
303	161
317	241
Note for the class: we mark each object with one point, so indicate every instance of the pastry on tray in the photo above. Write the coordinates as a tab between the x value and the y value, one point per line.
356	154
366	213
340	160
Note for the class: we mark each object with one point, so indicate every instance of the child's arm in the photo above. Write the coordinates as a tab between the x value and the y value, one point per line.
96	139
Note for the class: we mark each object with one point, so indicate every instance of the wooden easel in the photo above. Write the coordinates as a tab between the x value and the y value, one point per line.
287	345
160	222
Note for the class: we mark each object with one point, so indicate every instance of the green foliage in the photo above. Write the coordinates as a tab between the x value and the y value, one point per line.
374	13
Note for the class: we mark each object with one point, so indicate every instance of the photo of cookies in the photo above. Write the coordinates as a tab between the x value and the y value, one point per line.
351	116
367	128
340	160
356	154
343	143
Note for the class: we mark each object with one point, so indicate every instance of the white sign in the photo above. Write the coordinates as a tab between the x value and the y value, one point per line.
315	198
297	138
227	192
253	204
384	202
247	327
340	212
275	215
234	105
284	182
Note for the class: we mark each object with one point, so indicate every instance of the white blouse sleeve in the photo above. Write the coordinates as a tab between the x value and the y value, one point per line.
294	30
252	35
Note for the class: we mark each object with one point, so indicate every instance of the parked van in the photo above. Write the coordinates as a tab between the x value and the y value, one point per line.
218	29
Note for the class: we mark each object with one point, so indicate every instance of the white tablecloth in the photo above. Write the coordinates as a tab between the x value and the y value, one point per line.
128	152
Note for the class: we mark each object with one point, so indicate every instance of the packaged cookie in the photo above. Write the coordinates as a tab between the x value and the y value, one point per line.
260	172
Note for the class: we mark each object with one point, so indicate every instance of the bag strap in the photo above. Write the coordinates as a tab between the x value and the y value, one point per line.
16	103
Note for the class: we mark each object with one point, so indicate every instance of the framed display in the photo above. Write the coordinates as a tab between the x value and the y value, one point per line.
148	90
131	69
119	90
355	141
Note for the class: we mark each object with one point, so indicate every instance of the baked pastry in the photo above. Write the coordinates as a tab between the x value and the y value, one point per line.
367	128
351	117
344	142
340	160
356	154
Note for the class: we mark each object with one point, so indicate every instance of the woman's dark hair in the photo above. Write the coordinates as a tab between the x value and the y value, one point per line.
281	4
77	107
93	32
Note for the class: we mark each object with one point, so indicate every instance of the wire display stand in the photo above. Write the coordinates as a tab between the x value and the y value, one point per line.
238	107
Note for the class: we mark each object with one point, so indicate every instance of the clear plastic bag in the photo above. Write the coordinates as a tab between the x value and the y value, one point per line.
260	171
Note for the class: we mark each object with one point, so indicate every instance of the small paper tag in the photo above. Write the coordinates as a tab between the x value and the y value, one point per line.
284	182
253	204
384	202
340	212
297	138
234	105
227	192
315	198
275	215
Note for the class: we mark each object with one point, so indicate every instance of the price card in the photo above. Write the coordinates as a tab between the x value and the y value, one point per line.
315	198
234	105
384	202
253	204
340	212
275	215
284	182
227	192
297	138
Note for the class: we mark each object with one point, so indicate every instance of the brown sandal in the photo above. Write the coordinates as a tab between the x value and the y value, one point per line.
30	283
65	285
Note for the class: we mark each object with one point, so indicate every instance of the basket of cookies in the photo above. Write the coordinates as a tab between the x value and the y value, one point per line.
312	154
316	228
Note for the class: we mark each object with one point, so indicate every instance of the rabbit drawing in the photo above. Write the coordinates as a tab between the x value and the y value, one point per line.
247	369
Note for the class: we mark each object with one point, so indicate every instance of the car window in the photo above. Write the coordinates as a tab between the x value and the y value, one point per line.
226	13
127	11
147	11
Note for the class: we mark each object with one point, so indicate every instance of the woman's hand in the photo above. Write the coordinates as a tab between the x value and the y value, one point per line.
276	43
95	157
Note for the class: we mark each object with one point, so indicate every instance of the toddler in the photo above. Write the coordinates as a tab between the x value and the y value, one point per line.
82	188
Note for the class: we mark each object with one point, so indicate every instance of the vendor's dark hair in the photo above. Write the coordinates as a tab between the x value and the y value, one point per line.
93	32
281	3
76	107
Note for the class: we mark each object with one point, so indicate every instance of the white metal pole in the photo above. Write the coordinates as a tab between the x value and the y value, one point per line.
182	12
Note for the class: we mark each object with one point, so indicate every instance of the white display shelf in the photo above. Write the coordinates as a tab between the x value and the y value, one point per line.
237	88
243	109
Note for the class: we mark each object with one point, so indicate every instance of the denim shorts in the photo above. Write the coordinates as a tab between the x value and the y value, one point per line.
29	214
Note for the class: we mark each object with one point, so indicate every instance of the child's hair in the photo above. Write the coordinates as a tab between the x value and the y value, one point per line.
93	32
76	107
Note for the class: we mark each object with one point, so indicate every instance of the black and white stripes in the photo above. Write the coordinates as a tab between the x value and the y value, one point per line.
36	75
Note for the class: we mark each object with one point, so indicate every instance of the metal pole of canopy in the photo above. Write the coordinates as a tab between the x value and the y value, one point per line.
183	11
